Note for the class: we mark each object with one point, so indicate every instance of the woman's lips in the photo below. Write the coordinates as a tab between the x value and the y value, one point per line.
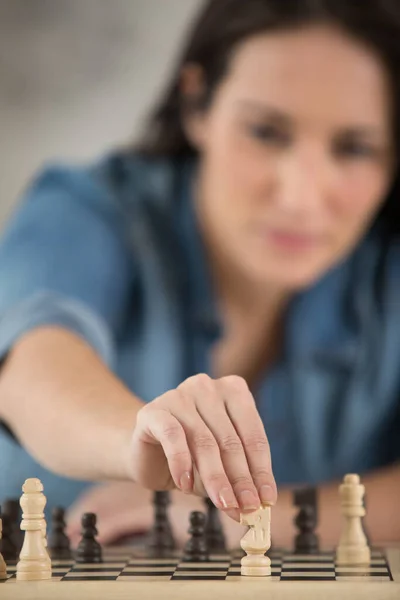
291	241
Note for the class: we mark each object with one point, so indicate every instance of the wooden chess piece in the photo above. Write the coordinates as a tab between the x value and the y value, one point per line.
89	549
59	545
306	541
160	540
3	568
34	563
8	548
213	529
12	510
353	547
195	549
256	542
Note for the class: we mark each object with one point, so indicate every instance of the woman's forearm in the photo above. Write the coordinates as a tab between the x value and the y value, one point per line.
66	408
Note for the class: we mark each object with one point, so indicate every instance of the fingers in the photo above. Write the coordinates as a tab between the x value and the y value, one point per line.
228	410
247	423
163	427
188	445
211	407
210	428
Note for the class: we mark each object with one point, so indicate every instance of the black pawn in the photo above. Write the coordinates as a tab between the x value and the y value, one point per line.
306	541
196	547
89	549
58	542
160	540
12	508
7	547
213	529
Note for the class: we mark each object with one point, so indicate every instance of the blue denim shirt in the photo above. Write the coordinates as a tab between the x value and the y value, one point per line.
112	252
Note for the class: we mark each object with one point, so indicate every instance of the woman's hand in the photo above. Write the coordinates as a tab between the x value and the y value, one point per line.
205	434
124	509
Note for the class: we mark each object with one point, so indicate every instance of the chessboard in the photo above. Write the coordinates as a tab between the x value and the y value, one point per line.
132	573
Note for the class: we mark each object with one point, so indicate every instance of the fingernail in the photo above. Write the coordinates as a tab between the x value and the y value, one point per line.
267	494
248	500
227	498
185	482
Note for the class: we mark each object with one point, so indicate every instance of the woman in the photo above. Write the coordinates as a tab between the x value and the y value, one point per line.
227	292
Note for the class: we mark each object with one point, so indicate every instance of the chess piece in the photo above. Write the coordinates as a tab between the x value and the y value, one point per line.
256	542
353	548
12	509
59	545
213	529
3	568
8	548
89	549
34	561
195	549
306	541
160	540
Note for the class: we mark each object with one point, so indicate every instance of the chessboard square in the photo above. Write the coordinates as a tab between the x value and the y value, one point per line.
363	579
146	577
148	569
307	575
295	569
203	566
237	571
360	570
197	576
200	572
308	565
96	568
377	553
114	562
90	576
150	573
244	578
306	558
63	564
297	577
378	562
155	562
219	558
235	563
11	569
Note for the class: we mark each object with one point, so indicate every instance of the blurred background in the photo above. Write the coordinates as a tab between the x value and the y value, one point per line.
77	77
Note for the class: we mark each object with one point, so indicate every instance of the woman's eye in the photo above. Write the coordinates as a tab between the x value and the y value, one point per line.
355	150
268	133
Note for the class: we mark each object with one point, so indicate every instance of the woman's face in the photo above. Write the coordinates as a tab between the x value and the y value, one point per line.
296	154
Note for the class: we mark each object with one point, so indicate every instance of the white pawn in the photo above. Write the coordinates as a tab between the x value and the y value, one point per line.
256	542
34	563
3	568
353	547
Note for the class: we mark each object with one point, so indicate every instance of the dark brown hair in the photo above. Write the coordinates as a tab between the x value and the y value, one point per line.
223	24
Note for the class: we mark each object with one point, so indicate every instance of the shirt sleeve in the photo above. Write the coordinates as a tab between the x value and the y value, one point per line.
64	261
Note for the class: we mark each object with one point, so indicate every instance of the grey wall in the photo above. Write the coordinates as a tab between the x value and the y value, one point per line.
77	76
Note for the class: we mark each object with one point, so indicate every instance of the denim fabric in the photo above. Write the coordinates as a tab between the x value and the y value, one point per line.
112	252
